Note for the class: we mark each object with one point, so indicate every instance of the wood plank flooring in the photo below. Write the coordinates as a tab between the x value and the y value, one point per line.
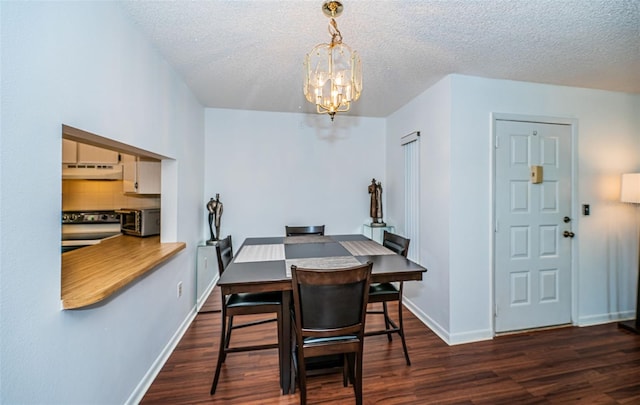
591	365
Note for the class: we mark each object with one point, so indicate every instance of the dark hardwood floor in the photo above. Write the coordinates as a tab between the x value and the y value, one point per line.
591	365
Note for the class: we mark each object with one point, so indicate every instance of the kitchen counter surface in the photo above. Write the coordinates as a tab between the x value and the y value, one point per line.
96	272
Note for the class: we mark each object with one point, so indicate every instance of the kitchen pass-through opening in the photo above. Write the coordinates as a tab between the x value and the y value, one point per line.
101	176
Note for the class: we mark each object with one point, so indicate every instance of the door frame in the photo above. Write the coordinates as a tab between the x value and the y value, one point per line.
575	206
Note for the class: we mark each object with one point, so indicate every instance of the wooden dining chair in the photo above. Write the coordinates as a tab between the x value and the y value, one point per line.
388	292
242	304
304	230
329	318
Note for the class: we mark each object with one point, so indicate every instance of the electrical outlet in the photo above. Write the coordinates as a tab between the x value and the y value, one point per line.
179	292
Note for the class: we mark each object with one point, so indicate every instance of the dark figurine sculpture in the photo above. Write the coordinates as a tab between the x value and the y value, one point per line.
375	209
215	213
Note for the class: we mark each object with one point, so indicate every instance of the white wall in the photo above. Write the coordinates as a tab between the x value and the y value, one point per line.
429	113
84	64
277	169
608	145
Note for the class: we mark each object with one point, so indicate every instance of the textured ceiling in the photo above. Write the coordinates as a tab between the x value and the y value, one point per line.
247	54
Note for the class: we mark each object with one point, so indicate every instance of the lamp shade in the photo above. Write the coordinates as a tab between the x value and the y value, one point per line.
630	188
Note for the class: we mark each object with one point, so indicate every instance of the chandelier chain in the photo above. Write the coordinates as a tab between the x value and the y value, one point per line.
336	36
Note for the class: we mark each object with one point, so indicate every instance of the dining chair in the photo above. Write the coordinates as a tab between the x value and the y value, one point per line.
242	304
304	230
330	308
388	292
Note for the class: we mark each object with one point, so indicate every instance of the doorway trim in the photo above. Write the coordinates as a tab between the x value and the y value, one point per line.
575	205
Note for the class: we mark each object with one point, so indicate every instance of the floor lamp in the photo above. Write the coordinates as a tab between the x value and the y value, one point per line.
630	193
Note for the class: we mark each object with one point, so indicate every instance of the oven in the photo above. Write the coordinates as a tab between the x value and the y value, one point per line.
86	228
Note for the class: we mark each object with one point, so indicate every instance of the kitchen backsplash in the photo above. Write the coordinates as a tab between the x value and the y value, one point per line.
80	195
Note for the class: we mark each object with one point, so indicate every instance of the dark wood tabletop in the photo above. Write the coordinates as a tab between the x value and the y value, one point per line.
271	275
261	264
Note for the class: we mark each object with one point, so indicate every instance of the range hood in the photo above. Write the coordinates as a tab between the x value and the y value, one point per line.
91	171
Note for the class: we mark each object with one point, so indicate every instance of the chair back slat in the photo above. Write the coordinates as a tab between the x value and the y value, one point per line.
224	251
331	302
304	230
397	243
340	305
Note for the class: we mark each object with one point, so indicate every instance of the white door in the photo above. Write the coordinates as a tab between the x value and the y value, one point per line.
532	272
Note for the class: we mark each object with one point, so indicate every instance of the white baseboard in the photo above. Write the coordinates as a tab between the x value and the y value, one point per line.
471	336
425	319
207	292
487	334
592	320
142	387
448	338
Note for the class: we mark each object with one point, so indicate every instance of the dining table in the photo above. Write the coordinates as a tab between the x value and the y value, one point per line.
264	264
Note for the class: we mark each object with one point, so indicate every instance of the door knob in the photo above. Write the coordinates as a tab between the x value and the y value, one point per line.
566	220
568	234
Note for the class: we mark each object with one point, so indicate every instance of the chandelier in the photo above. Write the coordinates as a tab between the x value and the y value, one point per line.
332	72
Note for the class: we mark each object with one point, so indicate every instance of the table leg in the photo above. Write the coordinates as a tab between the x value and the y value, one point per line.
285	344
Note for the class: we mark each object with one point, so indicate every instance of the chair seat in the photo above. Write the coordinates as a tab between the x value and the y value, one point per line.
382	288
253	299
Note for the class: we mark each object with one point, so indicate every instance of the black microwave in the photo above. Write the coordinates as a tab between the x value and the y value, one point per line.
140	222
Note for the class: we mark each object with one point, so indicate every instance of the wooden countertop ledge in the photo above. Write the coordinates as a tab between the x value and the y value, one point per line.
94	273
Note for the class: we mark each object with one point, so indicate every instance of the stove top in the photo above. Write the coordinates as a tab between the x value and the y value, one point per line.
85	228
90	217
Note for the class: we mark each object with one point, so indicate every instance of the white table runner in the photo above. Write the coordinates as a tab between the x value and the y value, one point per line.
260	253
366	248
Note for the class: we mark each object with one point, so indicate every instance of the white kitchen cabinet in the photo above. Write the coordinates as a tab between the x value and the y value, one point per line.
140	176
93	154
69	151
80	153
